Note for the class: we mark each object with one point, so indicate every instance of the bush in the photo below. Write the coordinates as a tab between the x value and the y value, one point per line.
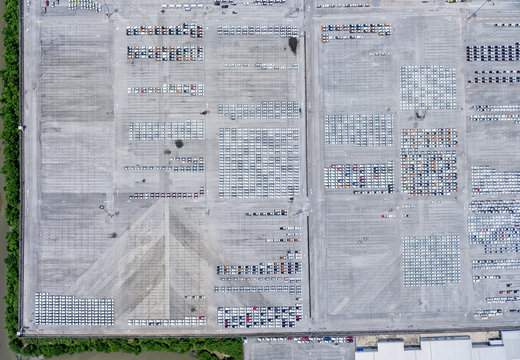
10	137
58	346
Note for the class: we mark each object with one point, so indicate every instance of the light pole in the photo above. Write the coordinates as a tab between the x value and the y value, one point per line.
475	12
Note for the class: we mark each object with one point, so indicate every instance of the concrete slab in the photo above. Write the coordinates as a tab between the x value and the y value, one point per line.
186	185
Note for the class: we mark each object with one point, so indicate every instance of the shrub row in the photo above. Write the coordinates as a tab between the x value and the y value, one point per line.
10	136
205	348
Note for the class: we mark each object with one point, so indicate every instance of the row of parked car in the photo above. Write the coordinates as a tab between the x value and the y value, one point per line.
495	80
514	107
493	52
178	195
191	29
165	53
380	29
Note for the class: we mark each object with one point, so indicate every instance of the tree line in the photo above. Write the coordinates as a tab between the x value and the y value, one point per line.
205	348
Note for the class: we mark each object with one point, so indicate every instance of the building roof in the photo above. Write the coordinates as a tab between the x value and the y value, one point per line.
460	348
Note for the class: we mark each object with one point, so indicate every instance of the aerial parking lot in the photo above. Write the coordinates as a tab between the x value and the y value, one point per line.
273	166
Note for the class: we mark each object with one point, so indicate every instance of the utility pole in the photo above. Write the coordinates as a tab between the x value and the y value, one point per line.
108	11
475	12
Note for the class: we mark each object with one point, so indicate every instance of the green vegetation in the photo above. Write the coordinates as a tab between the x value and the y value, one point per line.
10	137
206	349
